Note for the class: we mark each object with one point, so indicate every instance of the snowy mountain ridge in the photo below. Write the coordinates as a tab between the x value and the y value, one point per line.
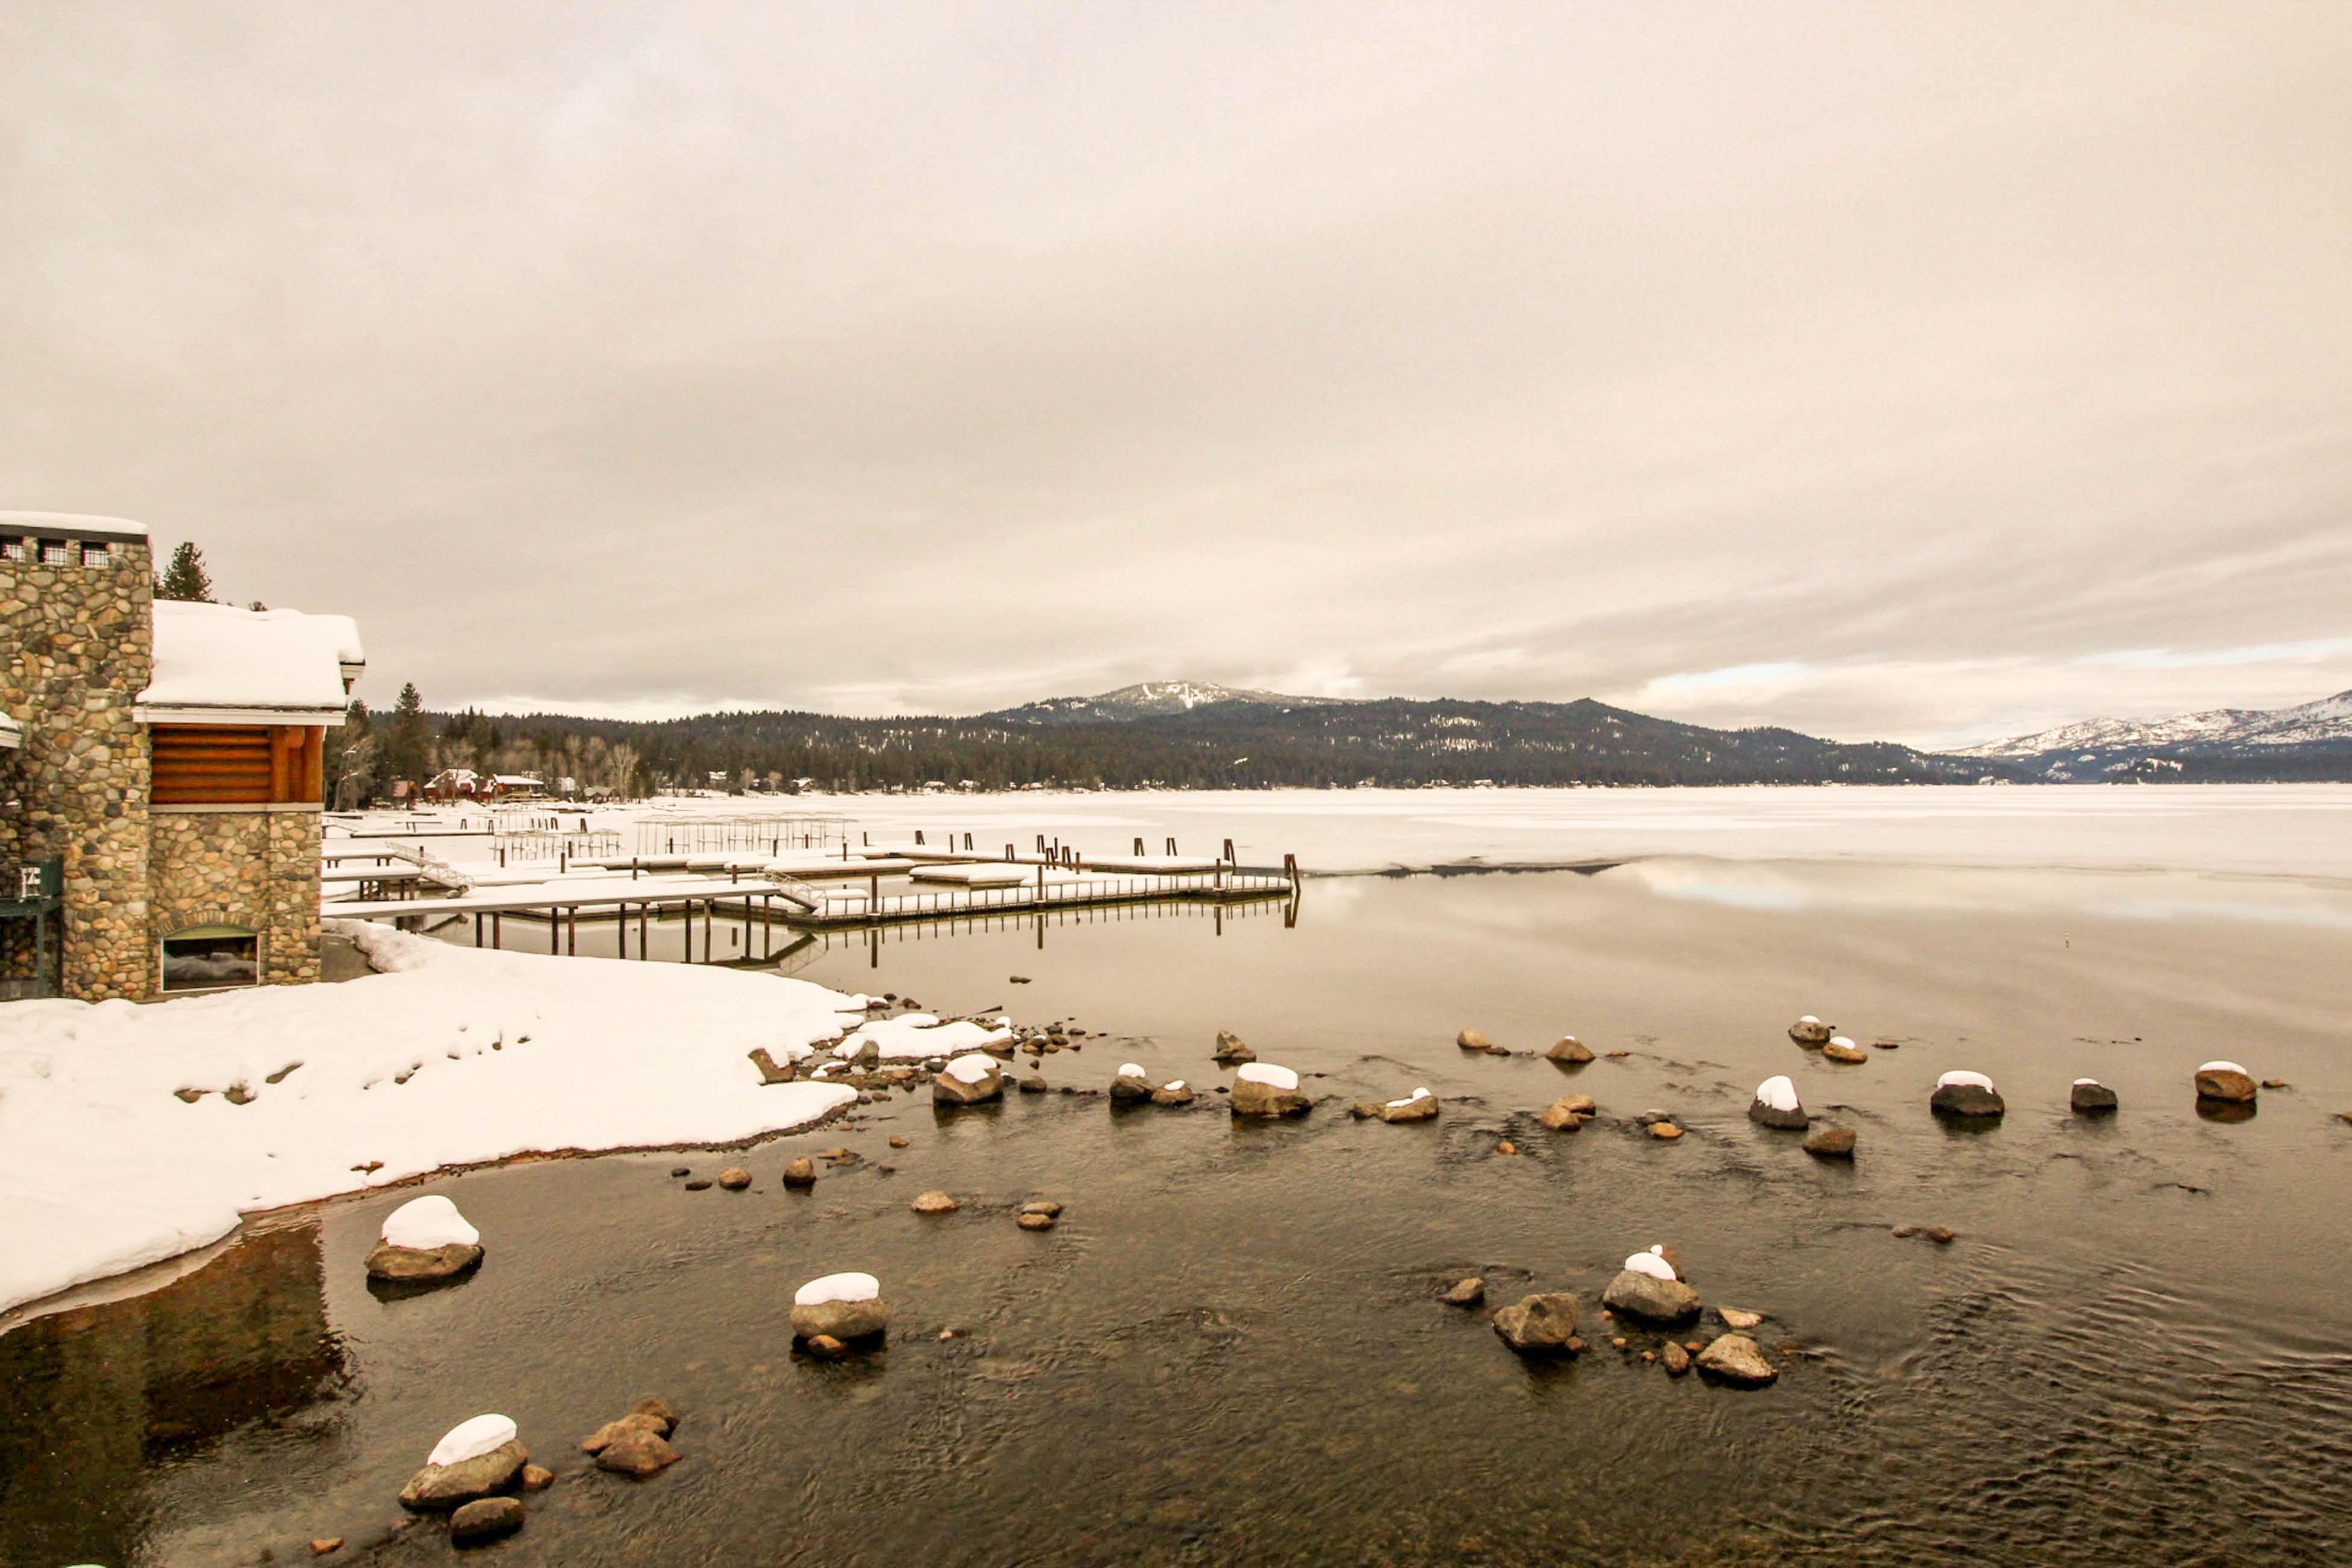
1154	698
2328	719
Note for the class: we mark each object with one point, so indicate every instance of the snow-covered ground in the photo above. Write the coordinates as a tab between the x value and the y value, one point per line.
452	1056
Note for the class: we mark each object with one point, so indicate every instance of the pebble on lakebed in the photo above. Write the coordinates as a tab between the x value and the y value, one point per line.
424	1239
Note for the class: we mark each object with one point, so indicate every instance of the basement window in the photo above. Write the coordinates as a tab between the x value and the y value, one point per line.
94	555
204	958
14	550
53	553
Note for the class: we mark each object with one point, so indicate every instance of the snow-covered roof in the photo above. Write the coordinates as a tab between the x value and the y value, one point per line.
219	665
69	525
12	734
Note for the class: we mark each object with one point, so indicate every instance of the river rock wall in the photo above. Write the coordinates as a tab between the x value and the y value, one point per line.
77	645
240	866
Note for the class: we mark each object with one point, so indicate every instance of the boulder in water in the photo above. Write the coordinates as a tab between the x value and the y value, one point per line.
969	1080
1831	1143
485	1519
1569	1112
1569	1050
1468	1292
1776	1105
1472	1040
1231	1051
845	1305
1133	1085
1646	1293
1174	1092
1540	1324
2225	1081
1419	1106
1261	1088
1841	1050
2090	1097
1966	1094
1810	1031
476	1458
933	1202
424	1239
637	1453
1737	1360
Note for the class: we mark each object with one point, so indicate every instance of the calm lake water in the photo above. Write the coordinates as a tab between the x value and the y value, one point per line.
2137	1351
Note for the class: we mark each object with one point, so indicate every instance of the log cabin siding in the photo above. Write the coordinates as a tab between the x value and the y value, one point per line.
238	765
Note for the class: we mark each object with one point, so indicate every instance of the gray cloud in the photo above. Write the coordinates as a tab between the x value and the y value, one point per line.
1916	371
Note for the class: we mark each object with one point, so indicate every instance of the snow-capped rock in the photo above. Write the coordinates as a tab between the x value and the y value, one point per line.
1776	1105
1966	1094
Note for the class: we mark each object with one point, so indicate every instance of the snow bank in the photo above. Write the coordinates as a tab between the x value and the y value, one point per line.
454	1057
1268	1074
838	1288
2225	1067
1976	1080
1650	1264
423	1224
919	1037
1778	1093
472	1439
973	1068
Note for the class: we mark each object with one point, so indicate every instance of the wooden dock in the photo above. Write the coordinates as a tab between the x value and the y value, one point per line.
806	900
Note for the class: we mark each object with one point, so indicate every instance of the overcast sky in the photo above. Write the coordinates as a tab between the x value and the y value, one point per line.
1929	372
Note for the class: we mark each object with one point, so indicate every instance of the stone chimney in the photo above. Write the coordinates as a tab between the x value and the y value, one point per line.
77	646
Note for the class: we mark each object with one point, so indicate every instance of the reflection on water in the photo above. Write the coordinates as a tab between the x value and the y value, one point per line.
99	1396
1230	1350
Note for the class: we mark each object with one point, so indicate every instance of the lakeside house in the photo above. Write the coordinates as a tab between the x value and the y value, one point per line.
160	772
465	784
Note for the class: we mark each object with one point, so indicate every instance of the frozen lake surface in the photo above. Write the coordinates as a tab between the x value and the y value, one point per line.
2303	830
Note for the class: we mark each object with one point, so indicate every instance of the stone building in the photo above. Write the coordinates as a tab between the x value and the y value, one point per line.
165	771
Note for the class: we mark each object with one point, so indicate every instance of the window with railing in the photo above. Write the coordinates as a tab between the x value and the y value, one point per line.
53	553
14	550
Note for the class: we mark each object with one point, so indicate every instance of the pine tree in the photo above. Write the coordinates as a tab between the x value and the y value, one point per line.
185	579
408	740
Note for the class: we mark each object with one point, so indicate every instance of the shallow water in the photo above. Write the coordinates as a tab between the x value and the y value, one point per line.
1229	1350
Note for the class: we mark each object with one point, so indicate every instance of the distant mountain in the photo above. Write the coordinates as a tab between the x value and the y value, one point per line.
2311	740
1150	700
1184	735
